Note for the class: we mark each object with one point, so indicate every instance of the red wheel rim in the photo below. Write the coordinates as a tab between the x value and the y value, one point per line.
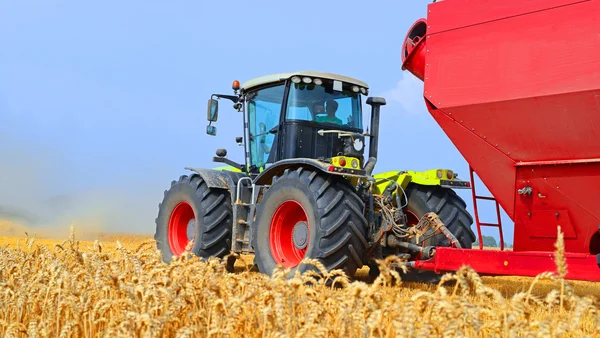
283	249
179	223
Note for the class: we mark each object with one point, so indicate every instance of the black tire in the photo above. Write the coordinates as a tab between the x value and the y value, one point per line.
335	214
212	212
452	211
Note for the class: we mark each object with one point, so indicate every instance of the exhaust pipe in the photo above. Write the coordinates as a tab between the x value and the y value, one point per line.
375	103
413	49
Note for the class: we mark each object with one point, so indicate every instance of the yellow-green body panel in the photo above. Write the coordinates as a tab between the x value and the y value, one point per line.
402	178
228	168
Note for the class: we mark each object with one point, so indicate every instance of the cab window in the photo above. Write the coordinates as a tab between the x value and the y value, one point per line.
321	104
264	109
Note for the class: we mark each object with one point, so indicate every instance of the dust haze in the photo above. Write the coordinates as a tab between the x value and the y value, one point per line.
35	196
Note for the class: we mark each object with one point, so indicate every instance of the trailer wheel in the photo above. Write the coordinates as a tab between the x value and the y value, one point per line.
310	214
451	209
189	211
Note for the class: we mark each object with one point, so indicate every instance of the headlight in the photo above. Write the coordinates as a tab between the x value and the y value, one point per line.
358	144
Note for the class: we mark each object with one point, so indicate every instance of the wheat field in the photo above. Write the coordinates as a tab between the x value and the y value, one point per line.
118	286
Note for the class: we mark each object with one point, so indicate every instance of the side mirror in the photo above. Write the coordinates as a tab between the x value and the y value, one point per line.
213	110
211	130
239	140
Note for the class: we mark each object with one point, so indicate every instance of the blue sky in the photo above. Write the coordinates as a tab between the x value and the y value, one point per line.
103	104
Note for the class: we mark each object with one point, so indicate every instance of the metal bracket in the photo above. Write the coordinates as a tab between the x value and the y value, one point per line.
525	191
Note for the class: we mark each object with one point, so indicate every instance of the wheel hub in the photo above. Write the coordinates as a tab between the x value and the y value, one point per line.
191	229
300	235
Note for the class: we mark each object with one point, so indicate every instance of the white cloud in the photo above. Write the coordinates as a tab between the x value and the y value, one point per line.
408	93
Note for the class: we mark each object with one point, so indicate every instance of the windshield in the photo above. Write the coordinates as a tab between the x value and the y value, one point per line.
322	104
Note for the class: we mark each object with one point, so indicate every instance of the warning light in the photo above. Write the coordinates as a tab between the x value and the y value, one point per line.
331	168
343	162
236	85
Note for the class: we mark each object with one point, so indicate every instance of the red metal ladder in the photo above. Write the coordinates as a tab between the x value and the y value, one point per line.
479	224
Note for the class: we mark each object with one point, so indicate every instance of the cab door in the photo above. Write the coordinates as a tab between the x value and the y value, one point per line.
264	112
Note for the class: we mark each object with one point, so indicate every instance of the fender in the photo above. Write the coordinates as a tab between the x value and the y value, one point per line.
278	168
220	178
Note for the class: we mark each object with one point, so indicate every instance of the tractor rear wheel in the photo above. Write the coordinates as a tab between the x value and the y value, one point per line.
451	209
191	211
310	214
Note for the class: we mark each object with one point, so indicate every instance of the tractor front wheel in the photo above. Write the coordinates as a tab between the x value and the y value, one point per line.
195	217
310	214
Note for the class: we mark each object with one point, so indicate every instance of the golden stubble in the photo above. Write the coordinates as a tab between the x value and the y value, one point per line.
118	286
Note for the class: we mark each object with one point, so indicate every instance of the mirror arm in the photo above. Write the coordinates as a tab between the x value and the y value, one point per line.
232	98
229	162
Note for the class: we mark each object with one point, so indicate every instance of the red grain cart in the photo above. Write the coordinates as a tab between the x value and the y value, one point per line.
515	84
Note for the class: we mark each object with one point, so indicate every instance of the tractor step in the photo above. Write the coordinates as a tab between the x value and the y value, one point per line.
243	212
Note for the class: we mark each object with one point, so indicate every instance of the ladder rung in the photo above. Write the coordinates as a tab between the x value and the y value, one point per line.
485	198
242	241
242	222
489	224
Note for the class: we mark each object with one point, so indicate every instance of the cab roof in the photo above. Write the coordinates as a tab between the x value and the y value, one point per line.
273	78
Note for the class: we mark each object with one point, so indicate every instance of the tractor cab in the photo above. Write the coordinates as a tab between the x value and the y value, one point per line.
299	115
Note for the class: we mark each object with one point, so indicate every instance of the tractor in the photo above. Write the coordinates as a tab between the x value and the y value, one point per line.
306	188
